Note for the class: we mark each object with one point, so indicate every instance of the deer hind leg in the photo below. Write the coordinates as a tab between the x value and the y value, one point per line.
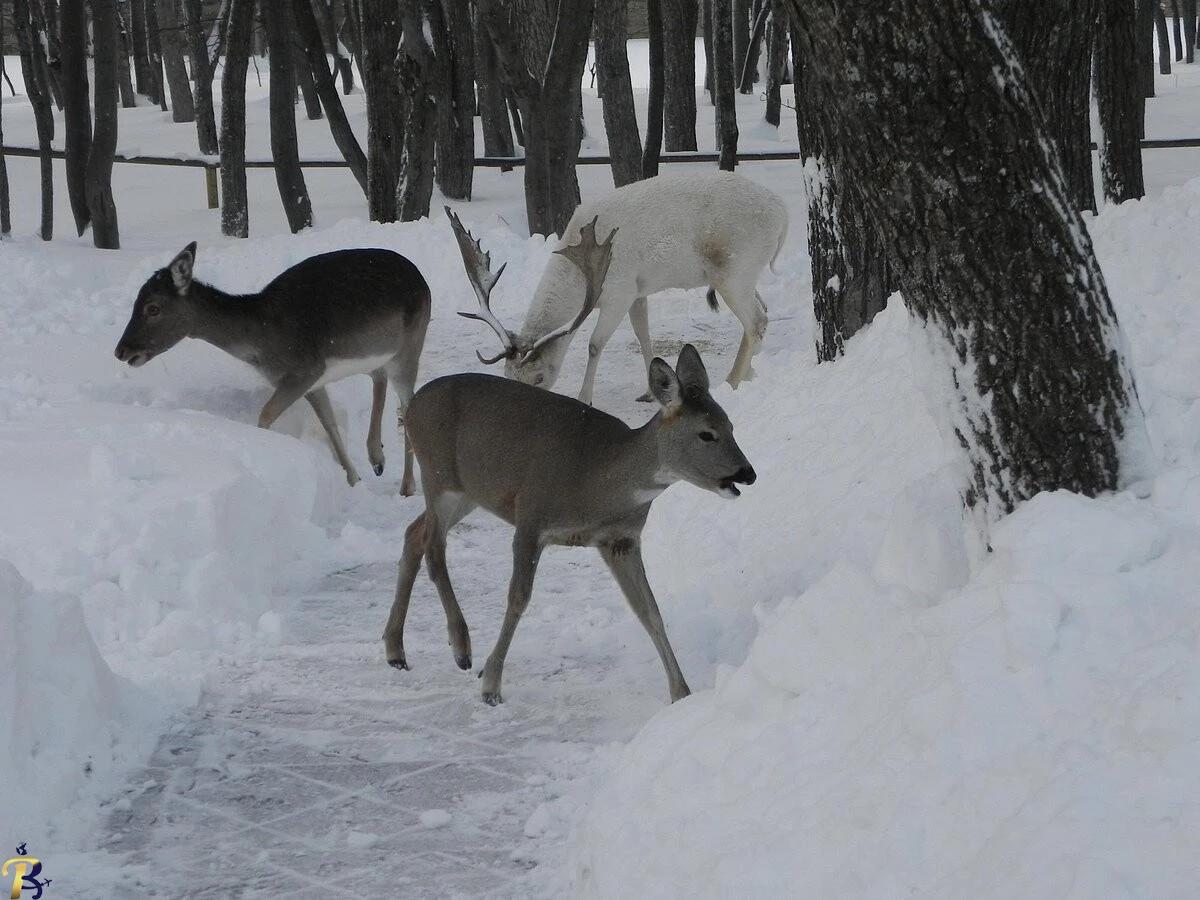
402	372
527	550
319	400
410	565
374	433
624	559
752	313
639	318
610	317
443	512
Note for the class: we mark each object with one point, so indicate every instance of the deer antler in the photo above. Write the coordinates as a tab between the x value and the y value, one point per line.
479	272
593	259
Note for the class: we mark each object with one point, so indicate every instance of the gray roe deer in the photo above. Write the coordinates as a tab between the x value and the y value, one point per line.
350	312
556	469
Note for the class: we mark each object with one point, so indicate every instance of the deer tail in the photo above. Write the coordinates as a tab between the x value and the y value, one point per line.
711	297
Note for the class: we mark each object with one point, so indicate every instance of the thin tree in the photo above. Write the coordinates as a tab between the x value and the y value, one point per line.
1177	29
707	36
414	185
385	114
172	42
308	87
235	211
339	125
455	54
740	23
748	73
202	79
777	51
154	52
1189	31
1164	41
616	91
1145	45
918	99
5	213
333	45
289	177
45	15
654	108
77	111
678	22
724	81
493	108
30	46
128	95
145	82
102	209
1120	101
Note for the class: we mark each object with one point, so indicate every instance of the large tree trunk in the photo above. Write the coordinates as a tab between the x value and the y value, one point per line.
414	186
30	45
455	146
679	19
202	79
339	125
1121	103
284	150
182	108
493	109
724	81
334	46
105	233
654	109
616	89
1058	62
77	112
385	117
918	100
235	211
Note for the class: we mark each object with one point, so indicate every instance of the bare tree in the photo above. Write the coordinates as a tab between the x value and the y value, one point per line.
308	87
616	91
128	96
777	51
289	177
202	79
1177	29
724	82
5	212
235	210
333	46
654	109
103	210
30	46
493	109
1189	30
77	112
1164	41
1145	45
918	99
1120	101
385	115
171	40
417	70
740	24
748	73
146	82
455	54
154	52
679	19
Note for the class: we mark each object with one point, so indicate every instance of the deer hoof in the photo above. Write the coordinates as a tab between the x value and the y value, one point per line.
407	489
378	468
352	478
398	663
463	662
645	398
492	698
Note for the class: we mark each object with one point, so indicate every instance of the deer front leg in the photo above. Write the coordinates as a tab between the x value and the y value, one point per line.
610	317
639	318
374	433
410	565
319	400
624	559
527	550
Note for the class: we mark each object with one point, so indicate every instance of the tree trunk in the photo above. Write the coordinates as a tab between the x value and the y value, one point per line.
740	23
724	80
77	113
339	125
235	212
616	88
1120	101
128	97
145	82
918	100
5	212
284	150
308	88
202	79
182	108
654	108
333	45
1145	45
105	234
45	16
748	73
455	108
1189	30
1177	29
777	51
154	52
414	186
679	19
493	110
1164	41
385	118
30	45
1058	62
706	29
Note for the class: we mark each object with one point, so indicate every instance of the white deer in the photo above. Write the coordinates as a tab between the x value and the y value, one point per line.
716	230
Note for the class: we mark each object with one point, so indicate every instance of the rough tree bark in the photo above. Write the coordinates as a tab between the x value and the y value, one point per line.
1189	30
777	51
678	20
77	110
385	117
103	210
284	151
30	45
934	129
1164	41
171	39
654	101
235	211
1120	101
339	125
202	79
493	109
414	185
526	42
455	107
724	81
616	89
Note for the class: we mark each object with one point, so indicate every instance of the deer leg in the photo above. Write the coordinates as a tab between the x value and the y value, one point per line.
639	318
751	312
527	550
410	565
374	436
287	392
624	560
442	513
606	324
319	400
403	375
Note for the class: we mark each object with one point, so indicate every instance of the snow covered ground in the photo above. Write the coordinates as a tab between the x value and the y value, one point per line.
197	703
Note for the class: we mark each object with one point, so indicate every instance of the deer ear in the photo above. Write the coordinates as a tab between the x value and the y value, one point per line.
690	369
181	267
665	386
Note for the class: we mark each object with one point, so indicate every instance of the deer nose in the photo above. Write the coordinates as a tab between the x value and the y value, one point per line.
745	475
121	352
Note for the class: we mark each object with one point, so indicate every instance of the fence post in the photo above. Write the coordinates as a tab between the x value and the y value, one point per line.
210	182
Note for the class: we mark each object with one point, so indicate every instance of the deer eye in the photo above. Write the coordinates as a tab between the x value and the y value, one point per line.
152	310
707	436
539	379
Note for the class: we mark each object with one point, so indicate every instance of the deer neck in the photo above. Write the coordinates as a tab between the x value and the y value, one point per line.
638	463
556	301
234	323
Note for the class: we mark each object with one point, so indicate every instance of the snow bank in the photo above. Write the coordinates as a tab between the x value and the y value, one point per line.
903	724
